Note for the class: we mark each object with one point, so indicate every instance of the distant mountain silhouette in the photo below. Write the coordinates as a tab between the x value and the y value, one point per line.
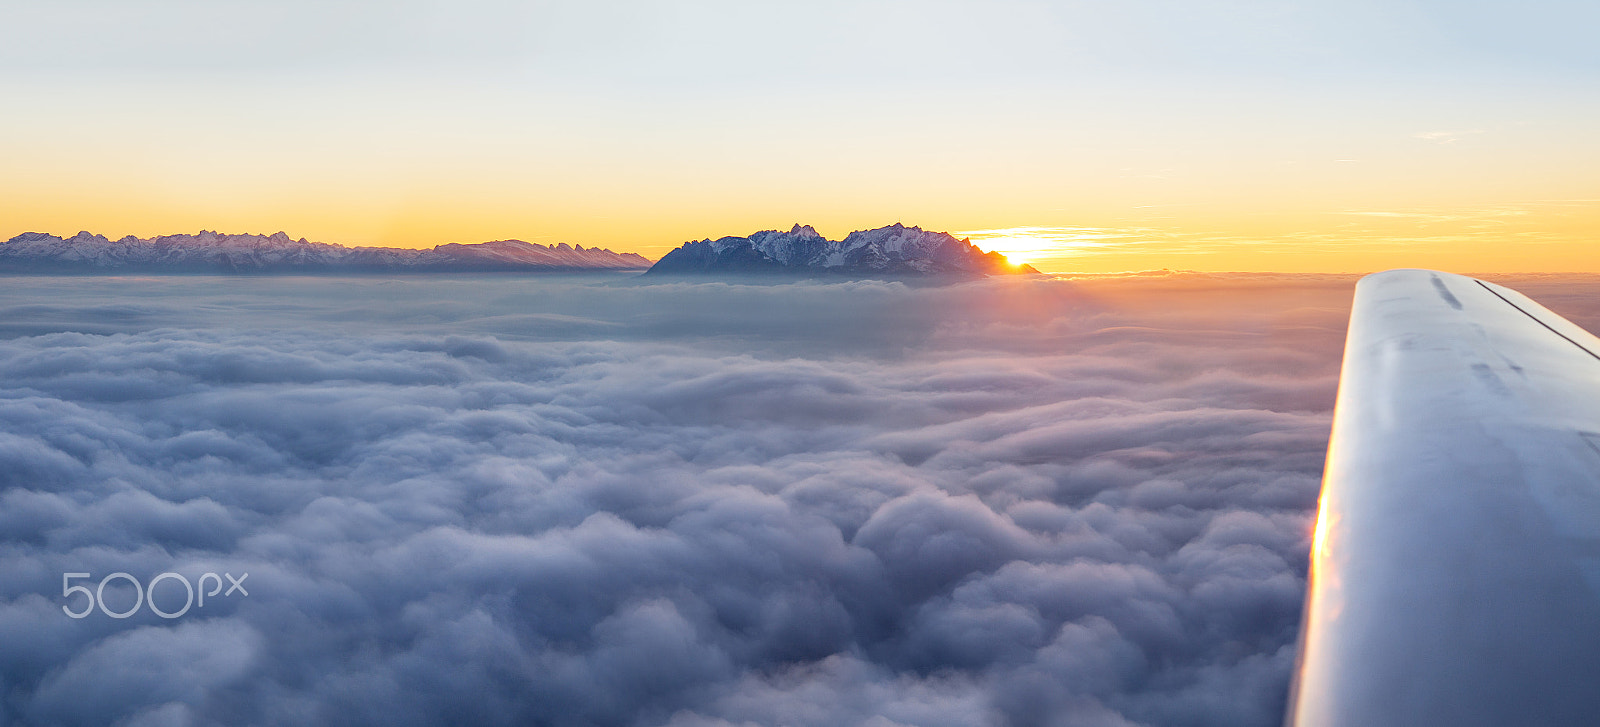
895	250
214	252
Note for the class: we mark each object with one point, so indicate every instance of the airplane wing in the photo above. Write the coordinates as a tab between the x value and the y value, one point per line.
1455	574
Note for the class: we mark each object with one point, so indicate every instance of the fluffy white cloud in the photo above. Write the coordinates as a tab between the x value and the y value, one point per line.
514	500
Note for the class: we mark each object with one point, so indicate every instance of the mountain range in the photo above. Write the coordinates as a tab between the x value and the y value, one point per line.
895	250
214	252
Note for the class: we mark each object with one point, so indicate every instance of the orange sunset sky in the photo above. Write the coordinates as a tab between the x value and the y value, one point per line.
1076	136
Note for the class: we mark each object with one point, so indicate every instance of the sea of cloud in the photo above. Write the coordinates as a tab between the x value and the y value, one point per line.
595	501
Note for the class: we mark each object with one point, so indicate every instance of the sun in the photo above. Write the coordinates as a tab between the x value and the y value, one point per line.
1030	245
1017	251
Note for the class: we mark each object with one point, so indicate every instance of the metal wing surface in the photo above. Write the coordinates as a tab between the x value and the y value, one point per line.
1455	575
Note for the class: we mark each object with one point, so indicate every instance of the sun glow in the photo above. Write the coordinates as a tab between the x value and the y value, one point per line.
1023	245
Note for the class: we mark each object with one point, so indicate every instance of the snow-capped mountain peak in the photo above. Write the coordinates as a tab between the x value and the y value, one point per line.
891	250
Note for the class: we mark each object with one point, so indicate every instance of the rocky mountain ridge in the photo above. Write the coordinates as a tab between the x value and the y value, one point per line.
894	250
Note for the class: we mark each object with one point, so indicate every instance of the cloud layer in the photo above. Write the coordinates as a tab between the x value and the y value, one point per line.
586	501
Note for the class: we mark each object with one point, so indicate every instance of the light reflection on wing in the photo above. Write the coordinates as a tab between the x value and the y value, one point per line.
1456	567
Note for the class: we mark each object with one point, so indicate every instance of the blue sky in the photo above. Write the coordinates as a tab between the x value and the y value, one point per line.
637	125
